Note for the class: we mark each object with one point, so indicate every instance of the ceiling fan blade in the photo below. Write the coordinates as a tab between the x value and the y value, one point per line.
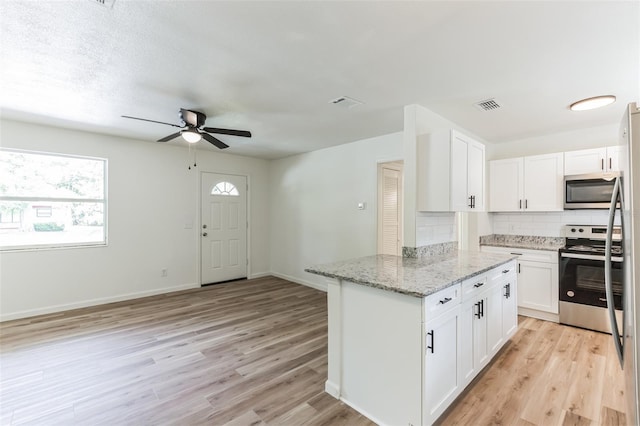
216	142
231	132
168	138
151	121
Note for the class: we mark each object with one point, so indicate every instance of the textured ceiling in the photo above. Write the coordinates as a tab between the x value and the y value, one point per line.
272	67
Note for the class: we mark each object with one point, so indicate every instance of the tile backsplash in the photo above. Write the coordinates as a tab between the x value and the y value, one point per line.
435	228
546	224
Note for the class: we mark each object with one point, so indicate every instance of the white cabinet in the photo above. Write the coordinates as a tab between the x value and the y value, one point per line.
450	172
442	380
596	160
538	280
532	183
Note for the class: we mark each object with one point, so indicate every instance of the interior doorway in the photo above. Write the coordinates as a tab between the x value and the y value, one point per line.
223	233
390	208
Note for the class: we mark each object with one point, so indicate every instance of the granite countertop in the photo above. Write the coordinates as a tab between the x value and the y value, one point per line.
417	277
523	242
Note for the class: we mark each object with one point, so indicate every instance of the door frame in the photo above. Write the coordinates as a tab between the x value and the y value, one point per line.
199	213
398	165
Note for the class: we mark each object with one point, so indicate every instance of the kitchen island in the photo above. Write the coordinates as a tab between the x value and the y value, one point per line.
407	335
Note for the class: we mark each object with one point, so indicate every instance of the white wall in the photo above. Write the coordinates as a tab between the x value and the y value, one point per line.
593	137
314	198
151	197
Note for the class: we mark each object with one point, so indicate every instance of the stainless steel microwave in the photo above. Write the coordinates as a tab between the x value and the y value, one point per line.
591	191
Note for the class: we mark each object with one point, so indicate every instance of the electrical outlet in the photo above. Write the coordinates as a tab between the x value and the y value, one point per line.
163	272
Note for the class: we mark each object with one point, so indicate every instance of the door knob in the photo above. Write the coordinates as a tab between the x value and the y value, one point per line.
204	234
204	226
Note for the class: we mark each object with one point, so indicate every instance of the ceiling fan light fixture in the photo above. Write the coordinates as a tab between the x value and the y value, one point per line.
592	103
191	135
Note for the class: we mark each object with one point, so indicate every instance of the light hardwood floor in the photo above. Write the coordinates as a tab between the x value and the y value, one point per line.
254	353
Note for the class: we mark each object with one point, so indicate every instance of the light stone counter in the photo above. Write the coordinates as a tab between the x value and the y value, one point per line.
523	242
417	277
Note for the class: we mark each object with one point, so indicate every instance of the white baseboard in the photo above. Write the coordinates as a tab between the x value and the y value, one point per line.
321	287
93	302
259	275
332	389
546	316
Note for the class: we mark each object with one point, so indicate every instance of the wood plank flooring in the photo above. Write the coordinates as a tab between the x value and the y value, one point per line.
254	353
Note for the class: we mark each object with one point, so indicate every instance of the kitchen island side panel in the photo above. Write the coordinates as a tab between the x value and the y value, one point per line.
382	354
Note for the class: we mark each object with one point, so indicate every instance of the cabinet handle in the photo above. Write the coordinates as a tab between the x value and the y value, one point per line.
610	164
478	285
507	290
482	307
516	254
473	201
477	314
520	204
518	268
526	204
602	163
505	271
446	300
470	201
432	345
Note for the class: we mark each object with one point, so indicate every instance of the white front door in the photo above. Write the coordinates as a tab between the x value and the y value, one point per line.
223	230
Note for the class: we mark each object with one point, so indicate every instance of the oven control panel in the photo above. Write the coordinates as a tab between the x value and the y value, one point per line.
593	232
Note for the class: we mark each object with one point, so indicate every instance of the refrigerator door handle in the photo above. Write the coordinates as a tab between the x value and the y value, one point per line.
617	194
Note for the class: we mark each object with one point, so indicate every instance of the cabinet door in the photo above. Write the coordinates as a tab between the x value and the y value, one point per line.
612	160
475	177
543	178
441	381
584	161
506	185
480	350
459	173
465	361
493	312
509	307
538	286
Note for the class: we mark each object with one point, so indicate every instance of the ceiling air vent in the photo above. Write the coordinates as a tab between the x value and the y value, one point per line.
488	105
346	102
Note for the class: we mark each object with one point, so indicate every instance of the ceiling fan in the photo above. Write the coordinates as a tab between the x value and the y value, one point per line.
192	123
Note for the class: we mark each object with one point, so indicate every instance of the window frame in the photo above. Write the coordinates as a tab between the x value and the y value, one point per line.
103	201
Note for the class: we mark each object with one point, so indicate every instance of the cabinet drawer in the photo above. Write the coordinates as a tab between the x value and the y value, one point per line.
474	285
502	273
441	301
549	256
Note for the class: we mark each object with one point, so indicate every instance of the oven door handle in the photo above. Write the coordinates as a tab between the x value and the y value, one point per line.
601	258
617	194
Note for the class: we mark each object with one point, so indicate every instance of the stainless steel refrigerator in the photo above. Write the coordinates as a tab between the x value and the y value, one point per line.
625	202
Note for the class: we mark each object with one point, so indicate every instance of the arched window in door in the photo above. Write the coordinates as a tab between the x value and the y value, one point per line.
225	188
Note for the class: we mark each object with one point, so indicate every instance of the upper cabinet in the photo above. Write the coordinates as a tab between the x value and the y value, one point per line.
531	183
450	172
597	160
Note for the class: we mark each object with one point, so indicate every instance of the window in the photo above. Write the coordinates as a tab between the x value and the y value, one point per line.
51	200
225	188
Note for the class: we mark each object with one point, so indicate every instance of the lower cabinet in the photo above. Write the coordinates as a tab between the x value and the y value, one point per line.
440	362
461	340
538	280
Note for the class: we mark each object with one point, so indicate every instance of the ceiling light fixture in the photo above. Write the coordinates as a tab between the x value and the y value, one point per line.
191	135
592	103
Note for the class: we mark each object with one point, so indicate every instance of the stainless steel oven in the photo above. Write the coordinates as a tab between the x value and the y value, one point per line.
583	300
